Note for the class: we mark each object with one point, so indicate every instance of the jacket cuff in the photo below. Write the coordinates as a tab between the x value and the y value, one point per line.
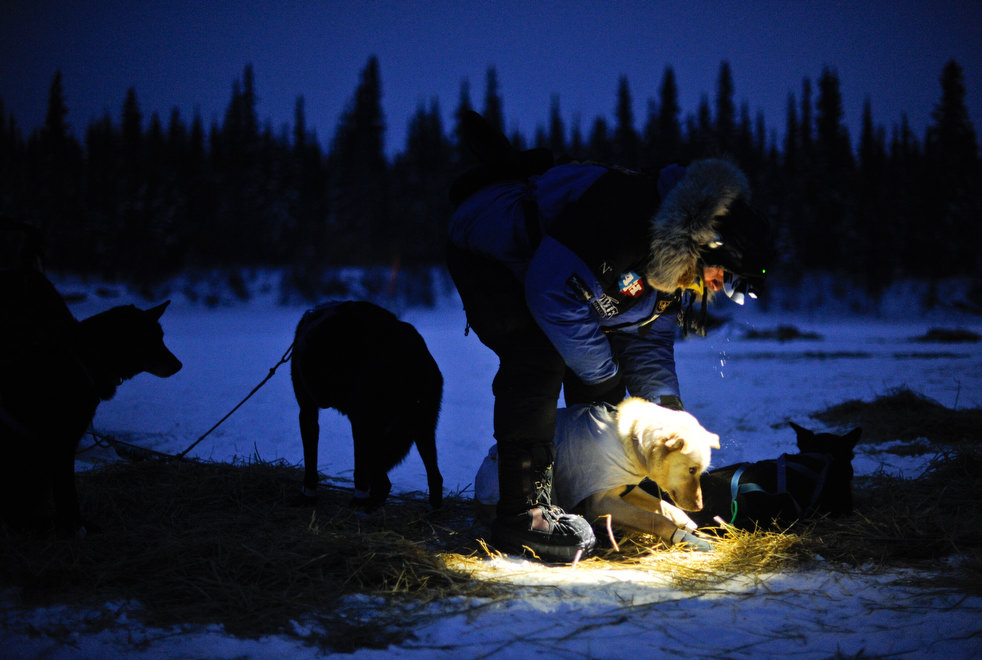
610	391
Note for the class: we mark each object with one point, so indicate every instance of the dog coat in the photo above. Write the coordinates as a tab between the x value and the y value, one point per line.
590	458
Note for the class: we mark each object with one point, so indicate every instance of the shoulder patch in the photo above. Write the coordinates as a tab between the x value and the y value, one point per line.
579	288
631	284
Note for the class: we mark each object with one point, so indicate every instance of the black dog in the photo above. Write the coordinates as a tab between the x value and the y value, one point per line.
55	371
777	492
364	362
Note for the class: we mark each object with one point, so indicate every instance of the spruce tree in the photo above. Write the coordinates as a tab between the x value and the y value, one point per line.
132	146
55	161
463	158
700	140
833	237
360	231
955	181
577	149
725	121
599	144
876	245
493	112
557	131
909	208
668	133
421	184
627	144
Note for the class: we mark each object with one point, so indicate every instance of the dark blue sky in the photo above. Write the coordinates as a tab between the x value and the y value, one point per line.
188	53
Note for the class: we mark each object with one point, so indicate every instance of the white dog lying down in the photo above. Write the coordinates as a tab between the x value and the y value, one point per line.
602	453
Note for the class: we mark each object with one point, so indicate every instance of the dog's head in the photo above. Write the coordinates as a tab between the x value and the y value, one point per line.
131	341
159	360
839	446
837	494
674	447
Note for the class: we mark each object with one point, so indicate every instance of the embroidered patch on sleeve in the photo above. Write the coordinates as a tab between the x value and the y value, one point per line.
631	284
665	302
579	288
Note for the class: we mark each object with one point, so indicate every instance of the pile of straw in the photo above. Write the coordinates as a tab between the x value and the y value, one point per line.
914	523
737	554
906	415
949	336
781	333
201	542
193	542
213	543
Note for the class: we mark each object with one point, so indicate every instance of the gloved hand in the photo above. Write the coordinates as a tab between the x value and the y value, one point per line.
611	391
693	542
671	402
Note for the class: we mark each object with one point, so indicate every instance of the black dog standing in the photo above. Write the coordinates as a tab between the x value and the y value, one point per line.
361	360
55	372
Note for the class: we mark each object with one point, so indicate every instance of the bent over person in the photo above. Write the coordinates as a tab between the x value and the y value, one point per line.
576	276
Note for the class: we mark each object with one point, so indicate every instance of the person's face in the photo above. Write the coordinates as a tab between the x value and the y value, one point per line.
713	277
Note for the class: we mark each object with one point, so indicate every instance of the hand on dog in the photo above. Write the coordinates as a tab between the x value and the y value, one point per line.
691	541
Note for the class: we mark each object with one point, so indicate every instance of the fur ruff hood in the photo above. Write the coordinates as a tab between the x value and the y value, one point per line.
688	218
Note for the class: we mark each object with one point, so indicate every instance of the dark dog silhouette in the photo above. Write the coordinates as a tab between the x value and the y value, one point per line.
775	493
55	371
361	360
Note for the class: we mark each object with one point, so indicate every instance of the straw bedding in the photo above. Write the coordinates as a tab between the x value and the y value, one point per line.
902	414
193	542
202	542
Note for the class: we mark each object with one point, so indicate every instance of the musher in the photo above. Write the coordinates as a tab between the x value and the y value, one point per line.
576	275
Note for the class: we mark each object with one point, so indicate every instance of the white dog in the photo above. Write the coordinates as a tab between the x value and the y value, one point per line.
672	449
603	454
672	444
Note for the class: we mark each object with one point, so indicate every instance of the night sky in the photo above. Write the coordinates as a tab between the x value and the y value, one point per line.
187	54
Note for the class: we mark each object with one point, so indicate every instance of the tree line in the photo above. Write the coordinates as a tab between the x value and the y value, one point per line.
143	199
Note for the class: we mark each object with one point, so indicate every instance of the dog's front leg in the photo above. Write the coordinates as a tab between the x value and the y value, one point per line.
309	435
68	517
626	515
641	498
373	452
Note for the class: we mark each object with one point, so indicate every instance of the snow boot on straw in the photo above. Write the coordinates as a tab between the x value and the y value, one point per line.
526	521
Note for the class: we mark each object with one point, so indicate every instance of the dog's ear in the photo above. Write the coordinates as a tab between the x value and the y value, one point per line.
675	443
804	438
713	441
158	311
800	430
635	430
852	438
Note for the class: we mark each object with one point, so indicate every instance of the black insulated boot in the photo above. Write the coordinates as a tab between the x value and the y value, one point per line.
565	535
528	523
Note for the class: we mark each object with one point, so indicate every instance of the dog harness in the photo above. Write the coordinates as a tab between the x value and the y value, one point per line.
782	464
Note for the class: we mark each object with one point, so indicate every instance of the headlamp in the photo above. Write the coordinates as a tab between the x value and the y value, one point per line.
738	288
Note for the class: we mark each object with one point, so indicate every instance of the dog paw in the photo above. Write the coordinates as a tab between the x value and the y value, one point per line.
366	504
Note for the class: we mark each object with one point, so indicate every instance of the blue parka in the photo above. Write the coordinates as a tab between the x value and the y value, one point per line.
578	236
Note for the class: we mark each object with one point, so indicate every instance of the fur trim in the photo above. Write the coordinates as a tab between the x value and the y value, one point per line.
687	221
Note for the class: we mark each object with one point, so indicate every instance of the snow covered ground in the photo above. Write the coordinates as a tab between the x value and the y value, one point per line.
745	390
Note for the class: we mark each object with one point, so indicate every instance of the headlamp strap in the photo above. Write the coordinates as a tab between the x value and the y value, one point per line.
687	323
685	312
703	313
